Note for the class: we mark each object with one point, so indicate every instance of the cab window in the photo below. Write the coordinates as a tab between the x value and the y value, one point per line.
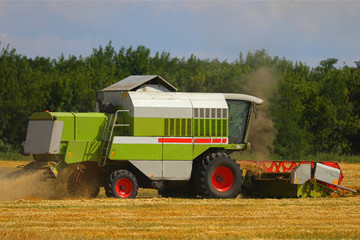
238	117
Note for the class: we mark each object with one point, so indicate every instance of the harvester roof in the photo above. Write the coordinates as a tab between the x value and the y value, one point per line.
134	82
245	97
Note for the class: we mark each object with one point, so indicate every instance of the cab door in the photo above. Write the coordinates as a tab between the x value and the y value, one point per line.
239	114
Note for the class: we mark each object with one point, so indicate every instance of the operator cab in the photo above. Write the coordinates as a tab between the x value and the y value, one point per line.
240	107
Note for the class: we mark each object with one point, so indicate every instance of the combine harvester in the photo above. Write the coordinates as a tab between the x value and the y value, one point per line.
146	134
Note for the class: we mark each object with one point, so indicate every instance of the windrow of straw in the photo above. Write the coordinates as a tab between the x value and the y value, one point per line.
252	168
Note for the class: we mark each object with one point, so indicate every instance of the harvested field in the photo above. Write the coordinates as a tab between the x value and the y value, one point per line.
351	173
152	217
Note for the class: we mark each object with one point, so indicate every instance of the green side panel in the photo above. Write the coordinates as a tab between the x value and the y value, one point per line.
180	127
68	130
200	148
61	115
177	151
148	127
77	126
89	126
80	151
63	147
136	152
210	127
41	116
198	127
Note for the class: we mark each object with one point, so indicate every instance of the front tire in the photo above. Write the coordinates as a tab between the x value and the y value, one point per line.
121	184
218	176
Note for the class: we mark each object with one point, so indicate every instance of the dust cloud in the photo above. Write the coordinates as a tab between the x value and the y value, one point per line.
262	84
24	184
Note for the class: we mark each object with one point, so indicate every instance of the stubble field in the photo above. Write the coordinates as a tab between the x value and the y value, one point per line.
152	217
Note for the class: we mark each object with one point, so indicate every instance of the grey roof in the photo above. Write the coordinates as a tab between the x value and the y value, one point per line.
133	82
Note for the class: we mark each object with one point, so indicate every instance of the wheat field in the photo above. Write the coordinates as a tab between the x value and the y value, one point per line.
152	217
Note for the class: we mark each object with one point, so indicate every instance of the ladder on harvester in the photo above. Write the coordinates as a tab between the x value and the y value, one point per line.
109	127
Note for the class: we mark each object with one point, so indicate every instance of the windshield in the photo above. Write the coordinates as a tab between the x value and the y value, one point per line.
238	117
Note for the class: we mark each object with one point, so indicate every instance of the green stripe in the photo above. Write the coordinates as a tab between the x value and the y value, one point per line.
136	152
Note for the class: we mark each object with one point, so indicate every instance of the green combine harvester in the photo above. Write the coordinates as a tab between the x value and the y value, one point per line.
146	134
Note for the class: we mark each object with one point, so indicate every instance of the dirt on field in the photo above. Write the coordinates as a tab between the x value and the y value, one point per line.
17	183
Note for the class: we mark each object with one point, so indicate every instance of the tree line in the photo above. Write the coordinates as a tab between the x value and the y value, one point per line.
313	109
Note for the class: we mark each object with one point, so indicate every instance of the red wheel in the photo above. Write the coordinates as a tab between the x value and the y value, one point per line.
121	184
222	179
123	187
217	175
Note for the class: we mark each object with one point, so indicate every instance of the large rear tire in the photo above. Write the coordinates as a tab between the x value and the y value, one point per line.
218	176
121	184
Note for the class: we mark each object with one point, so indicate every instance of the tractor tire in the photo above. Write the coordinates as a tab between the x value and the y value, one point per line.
121	184
218	176
87	187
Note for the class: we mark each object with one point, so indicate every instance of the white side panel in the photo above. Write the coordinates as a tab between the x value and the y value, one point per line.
208	100
164	170
327	174
120	99
161	105
177	110
136	140
301	174
43	137
113	97
127	103
56	137
170	104
174	105
209	104
206	96
177	170
152	169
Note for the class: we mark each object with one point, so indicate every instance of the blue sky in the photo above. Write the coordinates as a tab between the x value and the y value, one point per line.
307	31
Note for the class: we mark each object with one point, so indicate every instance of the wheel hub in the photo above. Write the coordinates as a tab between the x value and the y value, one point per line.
222	179
123	187
218	179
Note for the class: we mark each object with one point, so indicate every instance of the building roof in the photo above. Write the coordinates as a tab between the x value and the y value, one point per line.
132	83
